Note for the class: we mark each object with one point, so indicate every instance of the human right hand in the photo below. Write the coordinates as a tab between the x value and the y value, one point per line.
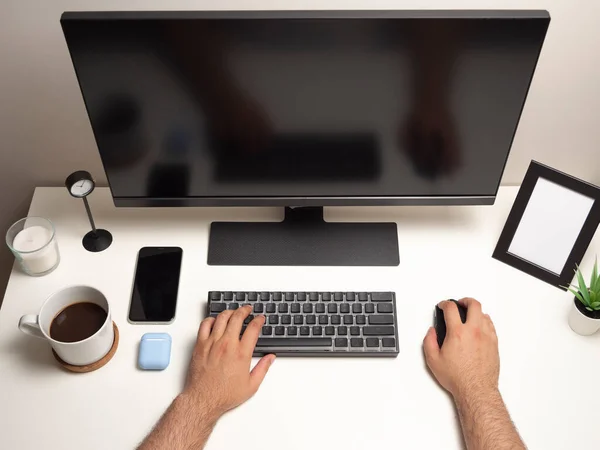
468	359
219	377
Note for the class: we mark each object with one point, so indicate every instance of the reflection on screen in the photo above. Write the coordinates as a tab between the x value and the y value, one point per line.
304	107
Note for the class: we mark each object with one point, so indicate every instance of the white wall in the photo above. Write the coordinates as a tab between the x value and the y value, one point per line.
45	133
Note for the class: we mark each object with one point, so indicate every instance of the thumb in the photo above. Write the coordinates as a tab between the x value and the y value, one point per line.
430	346
257	375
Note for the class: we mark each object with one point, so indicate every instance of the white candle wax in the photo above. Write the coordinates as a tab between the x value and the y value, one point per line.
32	239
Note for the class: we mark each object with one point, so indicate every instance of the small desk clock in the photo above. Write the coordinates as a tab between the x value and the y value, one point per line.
80	184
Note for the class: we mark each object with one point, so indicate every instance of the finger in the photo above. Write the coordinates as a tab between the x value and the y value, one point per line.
474	314
251	334
220	324
205	328
260	370
430	346
234	327
451	315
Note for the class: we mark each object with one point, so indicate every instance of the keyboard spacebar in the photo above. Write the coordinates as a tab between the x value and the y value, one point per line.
294	342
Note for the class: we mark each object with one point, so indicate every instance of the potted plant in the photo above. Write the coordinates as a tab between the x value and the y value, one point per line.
584	317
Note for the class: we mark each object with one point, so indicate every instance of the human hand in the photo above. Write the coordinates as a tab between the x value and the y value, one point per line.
219	377
469	359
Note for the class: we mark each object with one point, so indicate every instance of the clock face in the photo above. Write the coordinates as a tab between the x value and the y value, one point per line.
82	188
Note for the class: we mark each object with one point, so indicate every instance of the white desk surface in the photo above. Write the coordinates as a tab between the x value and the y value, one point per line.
548	378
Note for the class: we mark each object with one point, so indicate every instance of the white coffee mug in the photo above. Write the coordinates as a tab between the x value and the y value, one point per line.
80	353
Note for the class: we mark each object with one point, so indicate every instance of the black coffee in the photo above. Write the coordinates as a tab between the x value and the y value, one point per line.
77	322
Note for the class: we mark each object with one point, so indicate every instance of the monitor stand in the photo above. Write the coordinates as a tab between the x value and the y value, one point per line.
303	239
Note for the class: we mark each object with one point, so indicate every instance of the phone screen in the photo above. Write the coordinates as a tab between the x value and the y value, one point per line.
156	283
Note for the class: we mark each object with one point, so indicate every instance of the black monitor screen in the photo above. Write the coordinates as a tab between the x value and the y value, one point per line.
216	107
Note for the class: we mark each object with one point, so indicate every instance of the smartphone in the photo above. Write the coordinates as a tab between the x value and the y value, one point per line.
154	296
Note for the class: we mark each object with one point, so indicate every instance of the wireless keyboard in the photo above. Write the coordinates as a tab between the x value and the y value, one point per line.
318	323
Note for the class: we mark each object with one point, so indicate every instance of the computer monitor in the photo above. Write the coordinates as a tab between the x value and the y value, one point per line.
304	109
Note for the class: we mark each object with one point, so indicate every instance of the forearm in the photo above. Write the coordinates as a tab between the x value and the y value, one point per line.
185	426
486	423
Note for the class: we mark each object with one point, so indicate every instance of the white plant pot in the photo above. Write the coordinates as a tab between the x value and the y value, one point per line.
582	324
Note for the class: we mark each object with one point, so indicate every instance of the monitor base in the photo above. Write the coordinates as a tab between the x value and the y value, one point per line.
303	239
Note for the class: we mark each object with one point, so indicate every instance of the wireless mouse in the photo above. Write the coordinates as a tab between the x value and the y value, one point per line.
439	322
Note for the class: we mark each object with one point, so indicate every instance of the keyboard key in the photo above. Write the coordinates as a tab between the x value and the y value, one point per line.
214	315
388	342
385	308
313	297
338	297
217	307
295	308
317	331
344	308
382	296
270	308
326	296
311	320
307	308
320	308
363	297
370	307
234	305
252	296
323	320
283	307
264	296
378	331
267	331
273	320
357	308
228	296
301	296
304	331
292	331
214	295
348	320
329	331
342	331
276	296
341	342
387	319
336	320
361	320
243	329
356	342
289	296
286	319
332	308
350	296
298	320
240	297
354	331
294	342
248	319
279	331
372	342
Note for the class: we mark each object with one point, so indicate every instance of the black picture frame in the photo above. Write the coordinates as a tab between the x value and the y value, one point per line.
536	171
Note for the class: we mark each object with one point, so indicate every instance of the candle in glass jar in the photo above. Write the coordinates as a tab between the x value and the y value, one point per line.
32	239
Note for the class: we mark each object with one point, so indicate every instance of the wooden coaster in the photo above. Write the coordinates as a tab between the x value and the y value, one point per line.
94	366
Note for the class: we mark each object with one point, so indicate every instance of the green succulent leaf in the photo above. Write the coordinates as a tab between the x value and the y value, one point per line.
595	306
582	286
589	309
595	281
593	296
579	297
